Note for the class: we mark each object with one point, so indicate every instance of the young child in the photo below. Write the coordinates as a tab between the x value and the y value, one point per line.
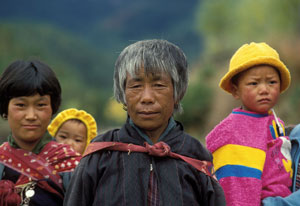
74	127
251	153
34	170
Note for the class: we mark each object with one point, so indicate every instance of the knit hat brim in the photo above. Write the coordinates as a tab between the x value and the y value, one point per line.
73	113
285	77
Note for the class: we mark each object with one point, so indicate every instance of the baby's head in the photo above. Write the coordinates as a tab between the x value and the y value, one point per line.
256	76
74	127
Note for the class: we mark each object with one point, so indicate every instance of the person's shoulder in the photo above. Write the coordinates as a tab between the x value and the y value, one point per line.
220	134
194	148
188	145
189	139
3	144
225	126
185	137
295	133
91	158
108	136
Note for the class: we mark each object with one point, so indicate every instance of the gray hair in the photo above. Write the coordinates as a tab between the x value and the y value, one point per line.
155	56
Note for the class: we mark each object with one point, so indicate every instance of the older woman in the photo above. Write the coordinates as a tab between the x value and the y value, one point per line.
150	160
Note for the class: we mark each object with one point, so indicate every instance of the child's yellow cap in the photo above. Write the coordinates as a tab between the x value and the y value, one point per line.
72	113
254	54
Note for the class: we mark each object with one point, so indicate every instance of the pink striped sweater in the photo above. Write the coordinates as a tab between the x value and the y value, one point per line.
251	160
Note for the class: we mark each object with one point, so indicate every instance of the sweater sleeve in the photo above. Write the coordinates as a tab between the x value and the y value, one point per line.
239	170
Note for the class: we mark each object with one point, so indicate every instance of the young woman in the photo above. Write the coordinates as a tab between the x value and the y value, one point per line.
33	169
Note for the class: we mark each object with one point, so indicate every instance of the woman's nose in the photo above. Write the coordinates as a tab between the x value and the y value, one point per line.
31	114
147	95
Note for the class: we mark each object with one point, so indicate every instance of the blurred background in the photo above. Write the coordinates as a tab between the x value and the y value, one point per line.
80	41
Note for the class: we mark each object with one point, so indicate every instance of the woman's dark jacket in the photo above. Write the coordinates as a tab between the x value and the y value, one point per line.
119	178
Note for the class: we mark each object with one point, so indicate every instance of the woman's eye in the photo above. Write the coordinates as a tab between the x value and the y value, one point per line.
20	105
159	85
42	104
133	86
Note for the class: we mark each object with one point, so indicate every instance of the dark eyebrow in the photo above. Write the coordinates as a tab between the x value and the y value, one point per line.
20	98
42	98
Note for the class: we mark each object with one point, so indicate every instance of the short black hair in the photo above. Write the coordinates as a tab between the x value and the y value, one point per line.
27	78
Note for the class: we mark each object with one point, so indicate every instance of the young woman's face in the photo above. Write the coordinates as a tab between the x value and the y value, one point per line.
73	133
28	118
258	88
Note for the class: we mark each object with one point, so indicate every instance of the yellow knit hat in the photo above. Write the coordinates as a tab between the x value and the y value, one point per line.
72	113
253	54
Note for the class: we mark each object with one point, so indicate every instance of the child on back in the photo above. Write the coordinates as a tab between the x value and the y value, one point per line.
74	127
34	170
251	153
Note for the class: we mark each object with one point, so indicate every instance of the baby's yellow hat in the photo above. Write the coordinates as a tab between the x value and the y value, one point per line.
253	54
72	113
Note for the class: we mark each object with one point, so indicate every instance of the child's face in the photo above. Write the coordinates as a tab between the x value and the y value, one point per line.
28	118
73	133
258	88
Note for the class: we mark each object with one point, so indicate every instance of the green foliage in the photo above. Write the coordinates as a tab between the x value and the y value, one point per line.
4	130
295	98
226	24
196	105
76	63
